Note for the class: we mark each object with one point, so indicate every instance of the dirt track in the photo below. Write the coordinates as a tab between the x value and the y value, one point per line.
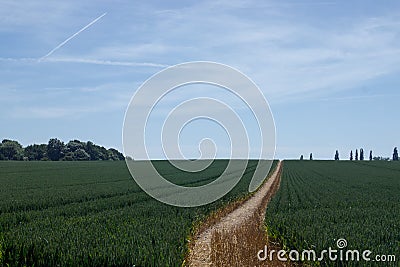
239	233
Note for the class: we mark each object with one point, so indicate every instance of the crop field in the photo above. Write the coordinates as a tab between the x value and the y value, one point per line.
94	214
320	202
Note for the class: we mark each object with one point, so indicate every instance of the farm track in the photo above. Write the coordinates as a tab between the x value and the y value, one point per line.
237	235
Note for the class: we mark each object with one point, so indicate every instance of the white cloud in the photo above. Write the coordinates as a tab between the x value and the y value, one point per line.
104	62
286	58
52	112
132	51
331	61
28	14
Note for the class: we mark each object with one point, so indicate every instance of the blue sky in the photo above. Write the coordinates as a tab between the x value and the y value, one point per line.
329	69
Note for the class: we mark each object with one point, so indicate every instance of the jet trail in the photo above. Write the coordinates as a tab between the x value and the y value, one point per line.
71	37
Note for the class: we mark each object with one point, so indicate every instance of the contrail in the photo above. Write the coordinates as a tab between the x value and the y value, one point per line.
71	37
106	62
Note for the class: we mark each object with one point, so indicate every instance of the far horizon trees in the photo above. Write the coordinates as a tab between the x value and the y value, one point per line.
81	154
11	150
36	152
56	150
381	158
356	157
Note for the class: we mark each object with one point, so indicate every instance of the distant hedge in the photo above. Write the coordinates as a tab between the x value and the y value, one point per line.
56	150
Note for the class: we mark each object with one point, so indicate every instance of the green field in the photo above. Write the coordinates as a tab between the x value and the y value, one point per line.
94	214
321	201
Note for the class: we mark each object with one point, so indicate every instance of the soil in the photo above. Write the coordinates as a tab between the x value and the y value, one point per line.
235	237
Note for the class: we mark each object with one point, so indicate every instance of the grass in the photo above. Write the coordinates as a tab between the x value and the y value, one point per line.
94	214
322	201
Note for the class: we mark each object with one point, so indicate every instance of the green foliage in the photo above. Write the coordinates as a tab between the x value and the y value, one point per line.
74	145
337	155
81	154
321	201
94	214
36	152
395	154
94	151
11	150
1	249
55	149
379	158
114	154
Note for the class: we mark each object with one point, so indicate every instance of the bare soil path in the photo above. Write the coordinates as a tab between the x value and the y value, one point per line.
236	237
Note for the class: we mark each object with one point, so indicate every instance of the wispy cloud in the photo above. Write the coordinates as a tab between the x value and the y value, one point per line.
287	54
85	61
359	97
105	62
32	15
23	59
61	102
71	110
50	112
297	52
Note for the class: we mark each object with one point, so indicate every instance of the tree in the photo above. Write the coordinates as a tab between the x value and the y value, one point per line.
301	157
74	145
81	154
114	154
55	149
381	158
97	152
103	153
361	154
370	155
351	155
337	155
36	152
11	150
395	154
70	156
311	157
356	154
92	151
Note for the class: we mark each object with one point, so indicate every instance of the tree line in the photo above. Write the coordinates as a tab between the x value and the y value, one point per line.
56	150
360	156
357	156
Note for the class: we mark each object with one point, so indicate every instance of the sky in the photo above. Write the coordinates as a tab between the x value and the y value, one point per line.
330	70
